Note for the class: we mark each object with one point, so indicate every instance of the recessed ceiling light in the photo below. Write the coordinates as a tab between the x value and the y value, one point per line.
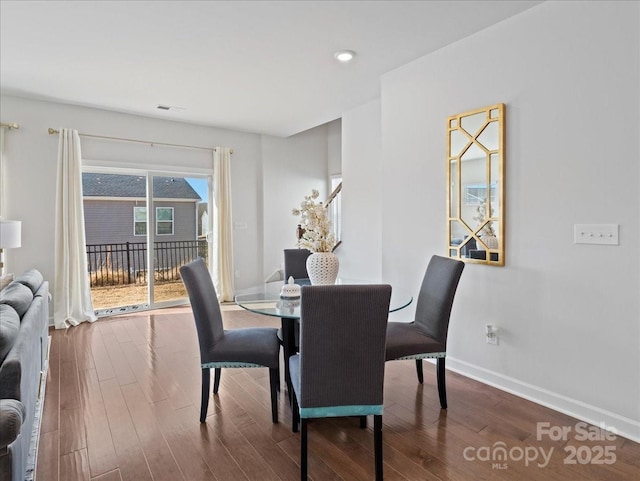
344	55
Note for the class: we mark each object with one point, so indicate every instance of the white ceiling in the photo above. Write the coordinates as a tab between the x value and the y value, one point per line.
256	66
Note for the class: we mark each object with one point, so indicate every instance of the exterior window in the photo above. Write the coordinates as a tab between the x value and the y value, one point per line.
139	221
475	194
164	220
335	208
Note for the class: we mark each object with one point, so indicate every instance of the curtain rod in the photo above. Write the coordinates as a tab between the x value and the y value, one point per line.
9	125
151	143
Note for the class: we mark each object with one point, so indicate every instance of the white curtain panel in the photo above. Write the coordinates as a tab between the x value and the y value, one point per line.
72	294
222	250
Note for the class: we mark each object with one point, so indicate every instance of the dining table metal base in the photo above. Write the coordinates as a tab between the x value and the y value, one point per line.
288	349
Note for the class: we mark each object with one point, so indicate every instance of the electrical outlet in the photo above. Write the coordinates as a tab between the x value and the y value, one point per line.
491	334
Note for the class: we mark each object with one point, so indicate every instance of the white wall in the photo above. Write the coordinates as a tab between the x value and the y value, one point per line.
361	250
568	314
31	174
334	147
293	166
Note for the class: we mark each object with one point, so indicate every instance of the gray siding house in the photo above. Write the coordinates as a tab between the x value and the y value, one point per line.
115	214
115	208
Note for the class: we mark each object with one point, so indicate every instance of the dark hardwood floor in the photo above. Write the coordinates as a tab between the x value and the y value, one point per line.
123	397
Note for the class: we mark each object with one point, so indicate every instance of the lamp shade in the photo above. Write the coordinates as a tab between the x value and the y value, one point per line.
10	234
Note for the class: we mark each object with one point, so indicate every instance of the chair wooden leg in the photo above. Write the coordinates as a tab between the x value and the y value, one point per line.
204	404
216	379
273	381
303	449
419	370
442	390
295	414
377	441
363	422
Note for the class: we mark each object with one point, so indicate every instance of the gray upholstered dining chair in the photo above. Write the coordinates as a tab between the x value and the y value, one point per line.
222	348
295	263
426	336
340	369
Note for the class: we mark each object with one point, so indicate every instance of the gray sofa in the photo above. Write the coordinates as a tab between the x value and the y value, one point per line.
24	314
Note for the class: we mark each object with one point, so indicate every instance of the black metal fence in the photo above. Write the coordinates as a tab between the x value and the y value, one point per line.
126	263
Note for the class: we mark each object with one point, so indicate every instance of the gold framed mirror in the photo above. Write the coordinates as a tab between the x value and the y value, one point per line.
475	180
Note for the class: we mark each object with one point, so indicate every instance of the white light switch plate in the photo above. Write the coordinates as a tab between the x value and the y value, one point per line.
239	225
606	234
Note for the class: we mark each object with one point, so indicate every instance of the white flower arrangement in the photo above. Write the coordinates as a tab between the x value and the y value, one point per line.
317	236
482	217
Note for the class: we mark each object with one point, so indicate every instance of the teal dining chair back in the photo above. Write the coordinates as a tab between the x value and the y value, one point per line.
222	348
426	336
340	368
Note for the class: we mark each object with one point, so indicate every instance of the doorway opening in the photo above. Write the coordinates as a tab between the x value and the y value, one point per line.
140	228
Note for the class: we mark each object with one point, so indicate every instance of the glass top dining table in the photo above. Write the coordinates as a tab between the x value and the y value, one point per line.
265	298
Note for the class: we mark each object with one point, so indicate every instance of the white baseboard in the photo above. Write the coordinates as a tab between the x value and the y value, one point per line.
625	427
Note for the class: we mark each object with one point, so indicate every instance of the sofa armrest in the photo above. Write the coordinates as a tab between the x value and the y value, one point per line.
12	415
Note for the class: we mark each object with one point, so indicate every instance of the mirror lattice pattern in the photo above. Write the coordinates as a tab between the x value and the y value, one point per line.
475	174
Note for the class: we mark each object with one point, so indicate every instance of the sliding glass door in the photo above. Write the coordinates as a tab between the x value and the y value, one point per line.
140	228
180	218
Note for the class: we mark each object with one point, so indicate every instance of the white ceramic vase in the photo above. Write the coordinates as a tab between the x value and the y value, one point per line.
490	240
322	268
